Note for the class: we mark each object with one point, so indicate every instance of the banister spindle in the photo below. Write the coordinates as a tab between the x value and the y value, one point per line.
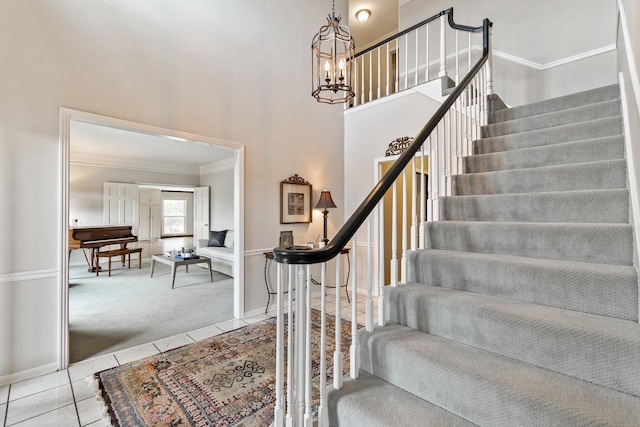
356	88
299	347
291	389
354	351
490	64
406	61
337	355
323	413
370	76
308	416
388	73
379	84
414	207
443	47
426	56
362	81
394	236
403	260
278	412
381	269
415	79
423	188
457	56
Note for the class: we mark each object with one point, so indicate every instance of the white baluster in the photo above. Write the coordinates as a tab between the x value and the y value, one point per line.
362	80
457	57
323	413
415	79
337	355
423	188
426	54
388	73
291	392
490	65
379	85
469	55
370	76
433	179
278	412
394	236
414	207
381	266
443	48
298	381
354	350
406	61
396	81
403	260
369	306
356	89
308	416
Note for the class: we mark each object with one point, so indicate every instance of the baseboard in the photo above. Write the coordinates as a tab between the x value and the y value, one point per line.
28	374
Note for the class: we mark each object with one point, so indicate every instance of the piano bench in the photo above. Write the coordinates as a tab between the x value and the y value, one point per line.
121	253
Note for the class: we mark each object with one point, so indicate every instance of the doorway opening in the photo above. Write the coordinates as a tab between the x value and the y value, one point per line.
139	154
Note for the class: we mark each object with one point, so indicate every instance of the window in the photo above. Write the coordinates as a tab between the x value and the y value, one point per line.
174	217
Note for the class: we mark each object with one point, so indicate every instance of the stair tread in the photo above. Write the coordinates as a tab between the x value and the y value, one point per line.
550	119
558	103
610	126
489	389
374	402
551	154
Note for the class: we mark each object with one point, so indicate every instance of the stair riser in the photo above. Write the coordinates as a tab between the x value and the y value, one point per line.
557	154
611	174
601	290
548	120
574	132
485	389
598	206
570	101
599	243
521	332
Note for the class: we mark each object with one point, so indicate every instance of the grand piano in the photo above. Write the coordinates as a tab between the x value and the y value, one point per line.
96	237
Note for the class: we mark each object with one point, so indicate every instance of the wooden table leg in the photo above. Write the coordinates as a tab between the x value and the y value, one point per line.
140	260
109	266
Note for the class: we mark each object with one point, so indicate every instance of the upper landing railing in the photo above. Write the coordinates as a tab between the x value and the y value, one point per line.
434	48
437	150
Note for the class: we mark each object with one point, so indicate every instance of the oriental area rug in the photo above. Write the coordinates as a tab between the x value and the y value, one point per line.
225	380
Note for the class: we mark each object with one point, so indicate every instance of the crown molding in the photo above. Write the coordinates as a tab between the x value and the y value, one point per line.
215	167
88	159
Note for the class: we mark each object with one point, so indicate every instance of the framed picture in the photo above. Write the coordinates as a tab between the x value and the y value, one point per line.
286	238
295	200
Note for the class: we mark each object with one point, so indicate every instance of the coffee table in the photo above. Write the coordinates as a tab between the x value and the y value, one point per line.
174	263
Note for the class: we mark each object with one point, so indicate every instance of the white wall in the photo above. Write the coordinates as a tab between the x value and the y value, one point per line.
204	68
221	199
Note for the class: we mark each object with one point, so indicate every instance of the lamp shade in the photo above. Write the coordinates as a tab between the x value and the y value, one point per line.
325	201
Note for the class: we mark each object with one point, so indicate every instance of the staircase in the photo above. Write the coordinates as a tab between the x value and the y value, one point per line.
524	308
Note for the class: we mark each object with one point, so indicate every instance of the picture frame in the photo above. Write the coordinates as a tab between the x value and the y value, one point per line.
295	201
286	238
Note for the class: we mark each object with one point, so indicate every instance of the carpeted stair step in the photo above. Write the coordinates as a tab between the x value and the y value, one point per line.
607	148
372	402
556	118
601	289
598	243
599	175
485	388
600	128
602	94
592	206
597	349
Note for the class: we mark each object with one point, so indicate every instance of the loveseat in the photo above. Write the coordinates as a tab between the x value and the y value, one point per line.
219	247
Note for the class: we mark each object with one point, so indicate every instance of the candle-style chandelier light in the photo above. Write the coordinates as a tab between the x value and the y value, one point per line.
333	50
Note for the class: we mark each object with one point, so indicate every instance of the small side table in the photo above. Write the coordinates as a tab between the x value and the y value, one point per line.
174	263
268	257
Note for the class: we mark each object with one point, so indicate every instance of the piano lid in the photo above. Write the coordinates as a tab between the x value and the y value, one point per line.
105	232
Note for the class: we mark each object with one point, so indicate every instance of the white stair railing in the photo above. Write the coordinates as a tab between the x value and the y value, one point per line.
439	149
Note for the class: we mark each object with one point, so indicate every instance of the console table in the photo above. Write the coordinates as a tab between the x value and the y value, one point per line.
268	258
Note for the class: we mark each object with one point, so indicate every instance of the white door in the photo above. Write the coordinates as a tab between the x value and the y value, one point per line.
144	231
200	214
155	218
120	204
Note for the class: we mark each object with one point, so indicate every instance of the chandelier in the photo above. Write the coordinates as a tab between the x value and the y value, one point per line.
333	50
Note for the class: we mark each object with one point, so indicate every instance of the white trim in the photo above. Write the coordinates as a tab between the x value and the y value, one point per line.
66	115
23	276
553	64
221	166
100	160
28	374
256	252
631	61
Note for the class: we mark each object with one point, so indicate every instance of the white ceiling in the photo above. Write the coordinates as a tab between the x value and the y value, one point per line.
382	23
168	153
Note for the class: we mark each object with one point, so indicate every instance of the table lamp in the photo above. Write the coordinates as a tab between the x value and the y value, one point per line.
325	203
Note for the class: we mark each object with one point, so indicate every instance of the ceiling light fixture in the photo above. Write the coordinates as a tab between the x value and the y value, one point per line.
363	15
333	50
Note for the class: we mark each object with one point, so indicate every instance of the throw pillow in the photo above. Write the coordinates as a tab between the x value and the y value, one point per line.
216	238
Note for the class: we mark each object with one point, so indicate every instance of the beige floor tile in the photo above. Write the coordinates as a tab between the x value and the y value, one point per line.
204	333
135	353
40	403
81	370
173	342
39	384
90	410
65	416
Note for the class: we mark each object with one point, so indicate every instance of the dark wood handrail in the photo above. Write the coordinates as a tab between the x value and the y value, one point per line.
452	24
305	255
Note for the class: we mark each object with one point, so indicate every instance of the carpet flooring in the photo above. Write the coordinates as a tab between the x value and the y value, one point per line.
226	380
130	308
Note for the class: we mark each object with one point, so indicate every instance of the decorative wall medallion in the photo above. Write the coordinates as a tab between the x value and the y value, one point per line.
398	146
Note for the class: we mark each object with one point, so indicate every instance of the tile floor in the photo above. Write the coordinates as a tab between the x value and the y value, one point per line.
67	398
